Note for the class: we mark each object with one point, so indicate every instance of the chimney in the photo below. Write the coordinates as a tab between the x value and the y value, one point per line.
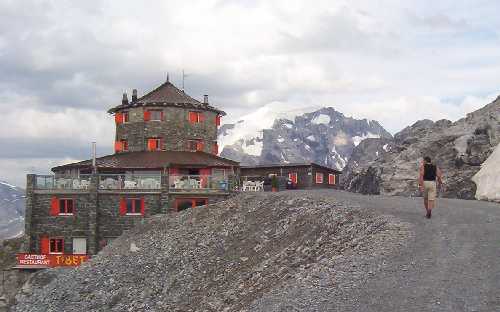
134	95
94	163
205	99
124	99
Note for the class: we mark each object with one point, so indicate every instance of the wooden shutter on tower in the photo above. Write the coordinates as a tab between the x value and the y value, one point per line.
54	206
123	207
143	206
193	117
44	245
119	118
215	149
147	115
217	120
118	146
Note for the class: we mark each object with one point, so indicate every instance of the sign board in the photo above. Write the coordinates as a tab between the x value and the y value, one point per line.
49	261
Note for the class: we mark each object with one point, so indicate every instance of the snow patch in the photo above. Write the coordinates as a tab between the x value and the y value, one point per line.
385	147
9	185
321	119
357	139
488	178
311	138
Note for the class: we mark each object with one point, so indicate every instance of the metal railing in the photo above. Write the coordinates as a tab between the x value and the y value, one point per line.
176	183
129	182
198	182
81	182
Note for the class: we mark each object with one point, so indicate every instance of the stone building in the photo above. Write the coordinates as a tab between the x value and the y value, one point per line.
165	160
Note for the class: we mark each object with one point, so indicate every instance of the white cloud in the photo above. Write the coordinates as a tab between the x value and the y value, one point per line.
65	63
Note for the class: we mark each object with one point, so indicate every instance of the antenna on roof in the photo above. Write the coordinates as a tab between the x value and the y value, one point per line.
183	78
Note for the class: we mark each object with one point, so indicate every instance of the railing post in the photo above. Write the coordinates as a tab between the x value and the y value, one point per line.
92	210
30	201
164	192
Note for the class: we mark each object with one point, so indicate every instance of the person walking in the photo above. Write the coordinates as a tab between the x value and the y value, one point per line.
430	178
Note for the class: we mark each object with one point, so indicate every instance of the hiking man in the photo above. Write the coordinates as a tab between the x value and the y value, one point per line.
429	176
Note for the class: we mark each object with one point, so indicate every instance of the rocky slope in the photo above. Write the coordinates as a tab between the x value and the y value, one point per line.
458	148
12	280
249	253
325	136
12	204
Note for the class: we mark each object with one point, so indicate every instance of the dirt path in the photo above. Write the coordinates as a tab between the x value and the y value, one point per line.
451	264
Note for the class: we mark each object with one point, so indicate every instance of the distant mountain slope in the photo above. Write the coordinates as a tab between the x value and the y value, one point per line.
324	136
458	148
12	205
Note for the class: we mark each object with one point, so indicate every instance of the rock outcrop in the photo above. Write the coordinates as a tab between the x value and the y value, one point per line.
458	148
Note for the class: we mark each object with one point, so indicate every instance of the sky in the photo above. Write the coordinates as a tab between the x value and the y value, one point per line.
63	64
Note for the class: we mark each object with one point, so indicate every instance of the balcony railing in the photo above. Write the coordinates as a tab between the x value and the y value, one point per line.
198	182
176	183
81	182
129	182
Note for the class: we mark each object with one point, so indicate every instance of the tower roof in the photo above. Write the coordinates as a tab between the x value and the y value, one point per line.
167	94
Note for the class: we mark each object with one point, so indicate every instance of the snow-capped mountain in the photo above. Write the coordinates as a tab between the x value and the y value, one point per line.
12	205
324	136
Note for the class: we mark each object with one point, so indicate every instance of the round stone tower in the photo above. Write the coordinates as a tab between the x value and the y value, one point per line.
166	119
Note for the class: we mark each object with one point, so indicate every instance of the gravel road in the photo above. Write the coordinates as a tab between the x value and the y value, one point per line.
451	263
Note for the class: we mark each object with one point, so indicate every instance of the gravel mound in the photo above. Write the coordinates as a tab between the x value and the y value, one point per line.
260	252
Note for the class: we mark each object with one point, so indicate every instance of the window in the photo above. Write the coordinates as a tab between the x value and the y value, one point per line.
319	178
125	117
154	144
331	179
56	246
124	145
132	206
185	203
156	115
196	117
66	206
62	206
293	177
195	145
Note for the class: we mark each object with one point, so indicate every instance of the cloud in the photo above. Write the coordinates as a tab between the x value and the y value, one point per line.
65	63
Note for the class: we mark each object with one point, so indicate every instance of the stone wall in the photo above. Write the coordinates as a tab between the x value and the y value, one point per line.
175	129
96	213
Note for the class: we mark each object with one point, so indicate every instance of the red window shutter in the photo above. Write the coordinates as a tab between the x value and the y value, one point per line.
217	120
147	115
143	208
193	117
162	116
118	146
54	206
215	149
44	245
200	146
118	118
151	145
319	178
293	176
123	207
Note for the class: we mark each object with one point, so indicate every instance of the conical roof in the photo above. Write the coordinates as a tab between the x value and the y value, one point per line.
167	94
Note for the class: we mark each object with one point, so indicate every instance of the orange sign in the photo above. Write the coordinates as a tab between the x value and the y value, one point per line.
50	261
